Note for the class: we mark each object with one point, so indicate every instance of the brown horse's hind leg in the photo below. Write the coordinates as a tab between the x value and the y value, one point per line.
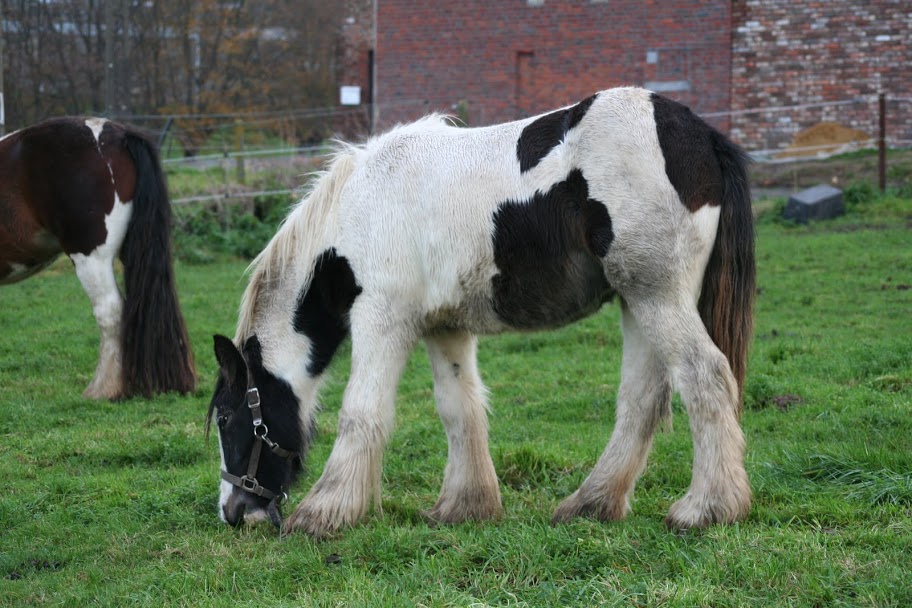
469	489
96	273
644	400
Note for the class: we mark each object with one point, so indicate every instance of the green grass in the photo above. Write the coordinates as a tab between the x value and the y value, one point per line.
114	503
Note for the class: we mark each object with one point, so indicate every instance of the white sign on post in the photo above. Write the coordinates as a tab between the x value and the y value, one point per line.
350	96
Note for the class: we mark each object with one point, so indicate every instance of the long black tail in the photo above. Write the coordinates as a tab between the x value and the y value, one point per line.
729	282
156	349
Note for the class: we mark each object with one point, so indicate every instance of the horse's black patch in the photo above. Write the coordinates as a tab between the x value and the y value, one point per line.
322	312
548	251
690	160
235	420
539	137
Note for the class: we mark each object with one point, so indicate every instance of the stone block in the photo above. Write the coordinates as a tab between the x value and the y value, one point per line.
818	203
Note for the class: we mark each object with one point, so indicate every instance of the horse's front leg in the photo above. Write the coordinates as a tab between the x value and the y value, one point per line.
470	490
351	477
96	273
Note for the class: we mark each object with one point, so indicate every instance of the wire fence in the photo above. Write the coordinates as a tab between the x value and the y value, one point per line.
245	155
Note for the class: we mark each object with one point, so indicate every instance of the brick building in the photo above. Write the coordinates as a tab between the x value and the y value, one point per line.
787	53
489	62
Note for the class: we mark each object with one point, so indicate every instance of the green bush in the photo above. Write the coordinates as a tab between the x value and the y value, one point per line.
204	233
859	193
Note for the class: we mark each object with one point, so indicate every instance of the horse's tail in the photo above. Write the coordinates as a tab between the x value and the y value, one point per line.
156	349
305	233
729	282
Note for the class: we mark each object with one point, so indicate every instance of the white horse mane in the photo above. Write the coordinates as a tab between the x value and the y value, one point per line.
308	225
301	233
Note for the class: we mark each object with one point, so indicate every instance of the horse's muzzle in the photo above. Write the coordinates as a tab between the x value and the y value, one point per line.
245	508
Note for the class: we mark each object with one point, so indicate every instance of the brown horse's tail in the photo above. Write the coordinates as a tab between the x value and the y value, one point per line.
156	349
729	283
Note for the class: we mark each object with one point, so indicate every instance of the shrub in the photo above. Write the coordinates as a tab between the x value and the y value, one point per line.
205	232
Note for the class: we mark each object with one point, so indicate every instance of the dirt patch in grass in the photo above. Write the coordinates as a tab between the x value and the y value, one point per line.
33	565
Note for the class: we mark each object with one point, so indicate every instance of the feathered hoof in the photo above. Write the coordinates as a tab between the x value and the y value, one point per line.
600	509
100	391
458	511
693	512
316	524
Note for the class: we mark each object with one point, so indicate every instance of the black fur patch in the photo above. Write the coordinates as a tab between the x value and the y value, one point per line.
548	251
322	312
235	421
541	136
690	160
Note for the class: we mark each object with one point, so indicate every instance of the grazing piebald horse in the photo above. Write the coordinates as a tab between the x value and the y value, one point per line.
92	188
441	233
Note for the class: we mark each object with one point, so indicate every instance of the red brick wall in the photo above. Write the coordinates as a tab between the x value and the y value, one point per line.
496	61
789	53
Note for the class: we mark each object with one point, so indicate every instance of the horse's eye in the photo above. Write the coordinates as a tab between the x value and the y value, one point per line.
222	419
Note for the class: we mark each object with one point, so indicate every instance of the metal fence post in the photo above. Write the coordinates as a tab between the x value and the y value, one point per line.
882	142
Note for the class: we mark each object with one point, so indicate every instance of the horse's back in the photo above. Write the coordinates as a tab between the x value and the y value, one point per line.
534	223
57	188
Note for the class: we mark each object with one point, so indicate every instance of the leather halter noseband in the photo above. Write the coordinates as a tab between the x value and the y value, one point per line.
248	482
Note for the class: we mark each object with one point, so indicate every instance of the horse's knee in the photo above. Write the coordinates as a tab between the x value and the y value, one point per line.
365	427
705	380
108	310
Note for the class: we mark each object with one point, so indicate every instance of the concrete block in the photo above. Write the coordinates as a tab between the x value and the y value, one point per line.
818	203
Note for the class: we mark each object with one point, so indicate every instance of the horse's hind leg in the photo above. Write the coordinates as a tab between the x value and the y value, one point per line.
469	489
96	273
719	490
351	477
644	399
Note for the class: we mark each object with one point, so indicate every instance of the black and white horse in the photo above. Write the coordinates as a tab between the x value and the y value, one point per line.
93	189
441	233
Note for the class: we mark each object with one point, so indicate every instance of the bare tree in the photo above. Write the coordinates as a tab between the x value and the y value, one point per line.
191	58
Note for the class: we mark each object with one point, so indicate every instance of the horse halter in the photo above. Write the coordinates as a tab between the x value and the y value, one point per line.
248	482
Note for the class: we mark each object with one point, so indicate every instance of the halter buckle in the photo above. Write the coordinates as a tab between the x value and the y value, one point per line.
253	402
250	484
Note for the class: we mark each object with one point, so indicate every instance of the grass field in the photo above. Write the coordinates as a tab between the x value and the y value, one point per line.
114	504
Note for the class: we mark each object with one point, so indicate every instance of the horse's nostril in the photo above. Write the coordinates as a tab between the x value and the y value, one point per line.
275	514
235	518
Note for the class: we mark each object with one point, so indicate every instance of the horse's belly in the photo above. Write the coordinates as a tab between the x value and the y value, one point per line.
21	257
551	295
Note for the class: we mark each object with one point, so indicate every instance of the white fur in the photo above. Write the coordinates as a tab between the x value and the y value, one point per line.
225	487
96	273
412	211
96	125
18	272
469	482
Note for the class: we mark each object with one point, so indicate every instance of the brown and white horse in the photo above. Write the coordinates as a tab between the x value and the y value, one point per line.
93	189
437	233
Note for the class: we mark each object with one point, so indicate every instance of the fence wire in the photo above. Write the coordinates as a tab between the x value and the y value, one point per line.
243	164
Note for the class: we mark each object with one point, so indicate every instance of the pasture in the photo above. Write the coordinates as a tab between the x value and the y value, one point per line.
114	503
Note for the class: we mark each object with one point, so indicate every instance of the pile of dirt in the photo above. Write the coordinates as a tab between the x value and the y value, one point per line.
825	139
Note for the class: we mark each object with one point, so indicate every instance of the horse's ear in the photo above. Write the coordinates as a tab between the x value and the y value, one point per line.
230	360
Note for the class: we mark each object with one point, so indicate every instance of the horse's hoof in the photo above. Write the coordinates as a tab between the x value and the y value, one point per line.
309	521
603	509
691	512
